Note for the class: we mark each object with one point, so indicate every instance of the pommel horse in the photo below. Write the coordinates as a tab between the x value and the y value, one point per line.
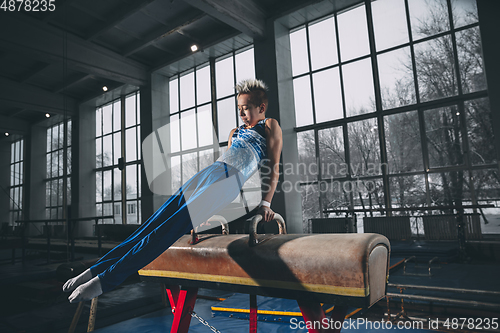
340	269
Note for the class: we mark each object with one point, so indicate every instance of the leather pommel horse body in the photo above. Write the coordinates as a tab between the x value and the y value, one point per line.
341	269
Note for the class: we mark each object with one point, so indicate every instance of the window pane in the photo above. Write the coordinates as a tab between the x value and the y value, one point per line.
138	106
332	153
327	95
49	144
371	192
448	188
60	140
20	203
224	77
227	118
131	181
18	151
175	173
107	157
323	44
54	158
480	131
55	138
175	141
303	101
98	122
397	85
17	173
69	134
443	136
402	139
245	67
117	186
470	60
364	148
139	153
13	171
308	166
188	130
117	115
107	190
428	17
98	186
464	12
408	191
353	33
47	195
187	91
203	94
107	119
173	95
189	166
298	46
60	192
117	148
130	111
98	152
206	158
435	69
131	144
389	23
487	186
358	87
310	203
205	126
21	172
13	149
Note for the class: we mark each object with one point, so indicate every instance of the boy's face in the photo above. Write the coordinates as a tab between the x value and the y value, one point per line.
250	114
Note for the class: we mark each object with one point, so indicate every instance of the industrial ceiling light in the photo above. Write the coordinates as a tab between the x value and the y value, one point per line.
7	134
47	115
194	47
105	88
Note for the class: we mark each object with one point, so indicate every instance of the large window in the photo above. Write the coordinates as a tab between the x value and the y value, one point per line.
391	101
54	185
16	181
192	132
118	152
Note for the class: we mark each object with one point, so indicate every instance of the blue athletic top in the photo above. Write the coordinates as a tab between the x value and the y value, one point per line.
248	149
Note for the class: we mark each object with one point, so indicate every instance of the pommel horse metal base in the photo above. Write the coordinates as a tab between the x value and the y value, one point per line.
340	269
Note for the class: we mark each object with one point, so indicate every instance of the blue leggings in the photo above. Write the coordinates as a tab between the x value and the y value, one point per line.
196	201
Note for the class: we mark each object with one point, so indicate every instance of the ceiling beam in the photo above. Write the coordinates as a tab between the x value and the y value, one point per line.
14	125
243	15
45	43
173	26
216	39
15	94
61	6
121	14
35	71
73	80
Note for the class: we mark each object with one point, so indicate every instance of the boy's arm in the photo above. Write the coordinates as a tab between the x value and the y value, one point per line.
230	140
274	144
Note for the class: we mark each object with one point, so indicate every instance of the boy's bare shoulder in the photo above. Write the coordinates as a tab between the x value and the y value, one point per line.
272	123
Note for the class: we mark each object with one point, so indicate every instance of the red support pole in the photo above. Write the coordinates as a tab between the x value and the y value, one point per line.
253	314
182	302
316	320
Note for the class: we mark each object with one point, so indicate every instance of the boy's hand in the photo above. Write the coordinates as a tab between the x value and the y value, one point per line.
266	212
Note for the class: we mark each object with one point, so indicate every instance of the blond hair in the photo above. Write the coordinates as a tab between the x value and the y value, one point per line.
256	89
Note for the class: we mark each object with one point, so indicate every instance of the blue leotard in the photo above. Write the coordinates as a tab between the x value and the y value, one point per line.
202	196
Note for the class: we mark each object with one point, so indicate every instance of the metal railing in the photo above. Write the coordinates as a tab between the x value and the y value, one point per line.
70	233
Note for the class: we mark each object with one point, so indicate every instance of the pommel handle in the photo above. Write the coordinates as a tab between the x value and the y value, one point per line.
252	240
